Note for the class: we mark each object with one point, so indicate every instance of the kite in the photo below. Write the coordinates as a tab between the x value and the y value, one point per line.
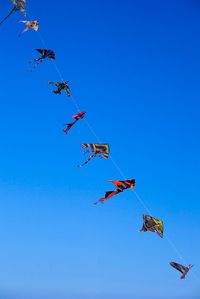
78	116
61	86
101	150
153	225
121	186
30	25
19	5
184	270
44	54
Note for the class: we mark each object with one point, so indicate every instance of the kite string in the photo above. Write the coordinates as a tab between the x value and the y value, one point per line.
142	202
59	72
92	130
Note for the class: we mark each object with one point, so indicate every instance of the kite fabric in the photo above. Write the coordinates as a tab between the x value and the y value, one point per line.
101	150
121	186
183	269
19	5
61	86
45	54
78	116
153	225
30	25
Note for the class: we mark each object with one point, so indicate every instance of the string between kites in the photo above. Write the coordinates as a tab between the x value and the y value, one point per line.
115	164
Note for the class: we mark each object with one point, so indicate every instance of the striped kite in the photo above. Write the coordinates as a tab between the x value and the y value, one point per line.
78	116
184	270
97	149
153	225
120	185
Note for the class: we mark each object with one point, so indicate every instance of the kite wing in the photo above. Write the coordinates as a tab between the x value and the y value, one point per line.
54	83
78	116
183	269
123	185
41	51
51	54
45	53
152	224
108	195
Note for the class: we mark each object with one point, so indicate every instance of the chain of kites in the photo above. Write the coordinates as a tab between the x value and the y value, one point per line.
96	149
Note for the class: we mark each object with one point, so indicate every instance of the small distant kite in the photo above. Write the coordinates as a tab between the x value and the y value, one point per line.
44	54
78	116
121	186
184	270
153	225
61	86
19	5
101	150
30	25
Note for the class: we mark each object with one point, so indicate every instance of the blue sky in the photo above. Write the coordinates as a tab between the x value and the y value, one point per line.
134	68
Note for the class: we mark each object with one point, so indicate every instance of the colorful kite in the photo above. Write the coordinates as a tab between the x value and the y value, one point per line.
184	270
153	225
30	25
121	186
44	54
78	116
101	150
61	86
19	5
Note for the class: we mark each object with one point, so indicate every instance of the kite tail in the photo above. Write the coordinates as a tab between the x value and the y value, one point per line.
33	64
22	32
100	200
186	272
90	157
10	13
69	126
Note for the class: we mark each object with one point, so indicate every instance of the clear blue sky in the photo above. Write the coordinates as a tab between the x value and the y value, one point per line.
134	66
